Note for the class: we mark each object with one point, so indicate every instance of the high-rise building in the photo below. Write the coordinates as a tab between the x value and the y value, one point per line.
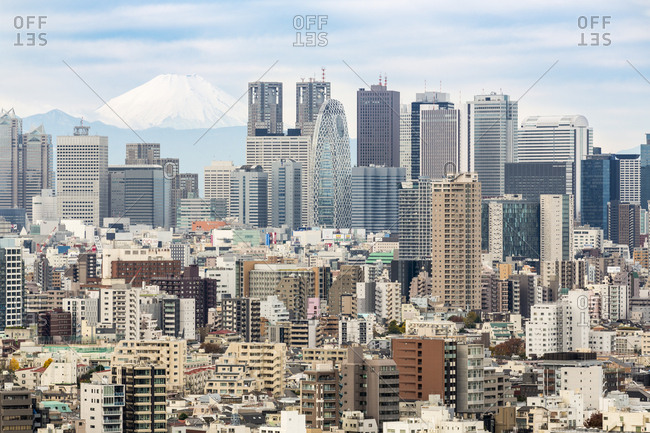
26	165
375	197
378	126
557	213
101	405
198	209
36	171
330	169
188	183
264	150
141	193
492	139
319	397
439	139
216	180
310	96
142	153
510	228
557	139
422	100
645	172
264	108
12	289
286	193
623	224
44	206
249	195
629	171
456	240
370	386
145	393
11	129
600	185
171	170
415	216
530	179
405	138
82	176
241	315
119	311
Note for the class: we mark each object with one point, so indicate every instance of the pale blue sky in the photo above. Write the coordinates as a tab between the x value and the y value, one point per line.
469	46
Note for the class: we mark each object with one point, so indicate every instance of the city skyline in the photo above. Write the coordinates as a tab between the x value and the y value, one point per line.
521	50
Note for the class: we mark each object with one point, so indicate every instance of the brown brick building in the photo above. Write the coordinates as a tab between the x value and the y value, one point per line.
144	270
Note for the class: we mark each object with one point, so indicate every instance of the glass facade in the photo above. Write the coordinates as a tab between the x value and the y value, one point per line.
519	224
330	169
599	187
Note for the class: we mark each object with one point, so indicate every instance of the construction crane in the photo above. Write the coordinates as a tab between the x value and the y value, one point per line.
47	241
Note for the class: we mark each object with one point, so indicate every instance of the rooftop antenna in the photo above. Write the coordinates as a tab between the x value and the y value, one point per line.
323	69
425	86
385	80
302	79
380	79
440	86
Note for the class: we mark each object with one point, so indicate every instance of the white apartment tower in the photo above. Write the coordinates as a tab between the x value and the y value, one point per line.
216	181
556	227
101	406
82	176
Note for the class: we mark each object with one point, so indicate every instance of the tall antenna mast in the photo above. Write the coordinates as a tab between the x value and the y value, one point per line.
323	69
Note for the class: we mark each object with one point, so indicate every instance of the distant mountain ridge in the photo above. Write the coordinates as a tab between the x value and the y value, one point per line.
225	143
174	101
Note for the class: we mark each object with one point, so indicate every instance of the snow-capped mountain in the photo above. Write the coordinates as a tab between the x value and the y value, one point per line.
174	101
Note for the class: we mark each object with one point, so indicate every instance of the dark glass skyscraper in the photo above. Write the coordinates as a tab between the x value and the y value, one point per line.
378	126
600	185
530	179
645	172
375	197
510	228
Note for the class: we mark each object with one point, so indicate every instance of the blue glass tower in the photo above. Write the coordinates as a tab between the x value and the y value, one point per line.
600	185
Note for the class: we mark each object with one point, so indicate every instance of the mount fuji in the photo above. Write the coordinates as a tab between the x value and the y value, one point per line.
173	101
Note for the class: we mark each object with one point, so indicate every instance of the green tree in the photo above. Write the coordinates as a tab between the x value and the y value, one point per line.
182	416
394	328
471	319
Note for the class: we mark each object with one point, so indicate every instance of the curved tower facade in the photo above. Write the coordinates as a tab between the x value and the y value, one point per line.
330	177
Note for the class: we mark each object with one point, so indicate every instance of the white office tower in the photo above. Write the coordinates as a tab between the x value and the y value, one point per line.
11	284
101	406
330	171
405	138
249	196
439	140
264	150
562	326
216	181
492	139
557	139
44	206
82	176
556	227
630	178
